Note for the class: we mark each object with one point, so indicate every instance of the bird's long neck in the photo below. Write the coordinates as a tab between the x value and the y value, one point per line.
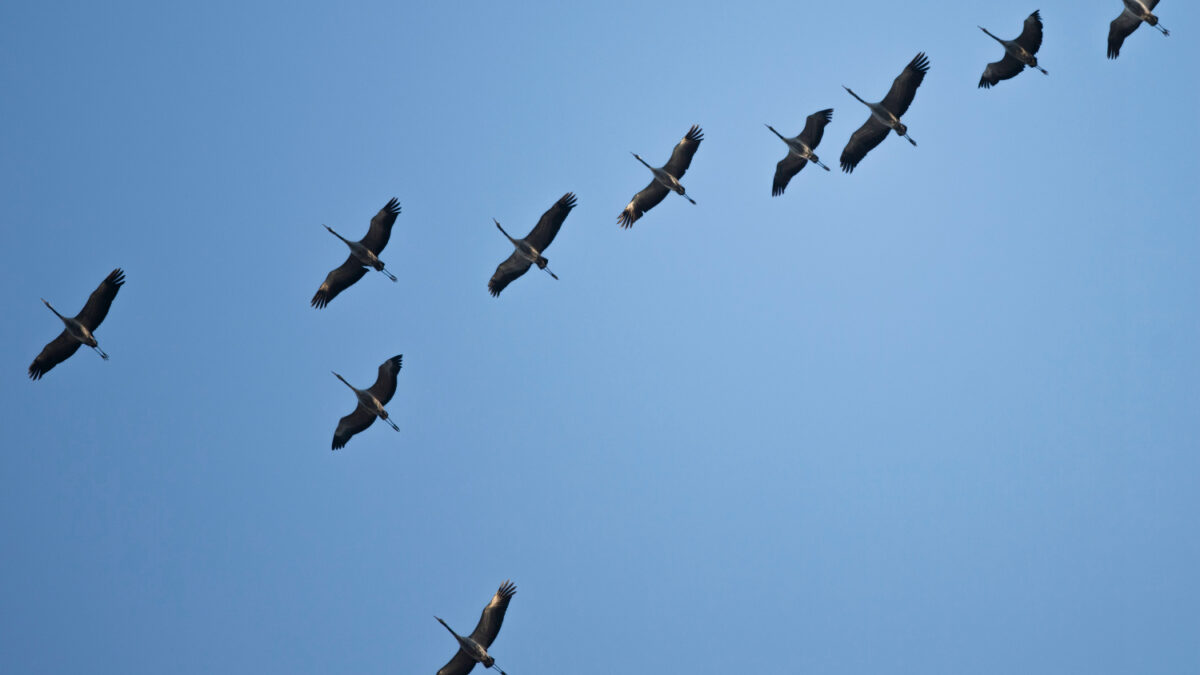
54	310
990	35
345	382
448	628
856	96
336	234
514	241
776	133
635	155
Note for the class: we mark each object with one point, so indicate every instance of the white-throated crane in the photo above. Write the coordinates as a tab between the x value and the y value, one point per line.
886	114
370	403
473	648
1135	12
800	149
529	250
1018	53
79	330
364	253
666	179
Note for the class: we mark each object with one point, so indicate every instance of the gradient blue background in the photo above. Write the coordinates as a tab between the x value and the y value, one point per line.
938	416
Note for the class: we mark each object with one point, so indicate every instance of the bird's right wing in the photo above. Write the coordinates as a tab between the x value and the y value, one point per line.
814	128
1151	4
385	385
381	227
1003	69
461	664
493	615
100	300
55	352
547	227
786	168
642	202
863	141
1031	35
681	156
904	87
338	280
507	271
351	424
1120	29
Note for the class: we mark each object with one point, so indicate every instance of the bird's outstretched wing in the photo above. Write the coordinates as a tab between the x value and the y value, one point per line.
681	156
1120	29
351	424
385	385
814	128
547	227
784	171
642	202
493	615
1031	35
381	227
904	87
100	300
338	280
507	271
1003	69
55	352
461	664
863	141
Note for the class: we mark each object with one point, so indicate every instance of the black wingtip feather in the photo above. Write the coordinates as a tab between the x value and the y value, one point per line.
694	134
920	62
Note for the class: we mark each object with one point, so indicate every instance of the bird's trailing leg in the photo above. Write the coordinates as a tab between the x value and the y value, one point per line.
909	139
100	352
818	163
1160	27
387	273
497	669
684	195
391	423
550	273
1044	71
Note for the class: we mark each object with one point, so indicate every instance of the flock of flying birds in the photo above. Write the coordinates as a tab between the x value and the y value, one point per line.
1019	53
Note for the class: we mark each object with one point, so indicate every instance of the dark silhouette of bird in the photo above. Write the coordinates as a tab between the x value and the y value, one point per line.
665	180
364	253
370	403
1135	13
886	114
529	250
1018	53
79	330
800	149
473	648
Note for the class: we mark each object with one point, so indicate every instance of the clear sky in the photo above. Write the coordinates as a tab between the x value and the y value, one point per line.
938	416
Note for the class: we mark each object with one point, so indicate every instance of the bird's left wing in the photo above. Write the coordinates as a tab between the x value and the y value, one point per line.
461	664
681	156
381	227
648	198
507	271
1003	69
1119	29
385	385
101	299
904	87
547	227
869	135
55	352
1031	36
338	280
814	128
351	424
493	615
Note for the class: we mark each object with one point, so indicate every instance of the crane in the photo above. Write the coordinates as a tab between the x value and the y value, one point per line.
665	179
473	649
1135	12
1018	53
370	403
364	253
80	329
886	114
800	149
529	250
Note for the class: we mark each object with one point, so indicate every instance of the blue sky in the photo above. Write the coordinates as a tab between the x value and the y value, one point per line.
939	416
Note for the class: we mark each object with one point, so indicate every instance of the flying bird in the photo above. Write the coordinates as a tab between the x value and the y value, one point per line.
886	114
364	253
473	649
665	180
370	403
79	330
529	250
1018	53
1135	12
800	149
